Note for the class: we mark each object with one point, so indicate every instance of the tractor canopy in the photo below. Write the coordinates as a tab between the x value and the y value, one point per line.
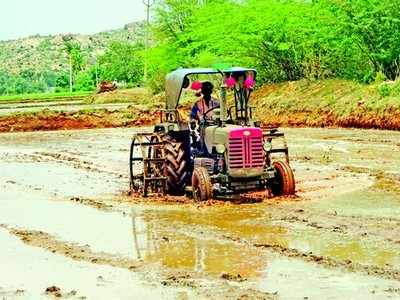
179	79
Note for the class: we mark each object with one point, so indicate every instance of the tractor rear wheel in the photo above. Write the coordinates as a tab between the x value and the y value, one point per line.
175	168
201	184
284	182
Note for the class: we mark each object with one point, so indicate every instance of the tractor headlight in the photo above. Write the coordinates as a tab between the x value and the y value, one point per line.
220	149
267	146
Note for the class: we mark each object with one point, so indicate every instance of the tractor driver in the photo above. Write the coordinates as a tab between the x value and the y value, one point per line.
205	104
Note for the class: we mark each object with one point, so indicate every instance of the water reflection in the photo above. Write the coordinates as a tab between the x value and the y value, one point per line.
220	239
181	239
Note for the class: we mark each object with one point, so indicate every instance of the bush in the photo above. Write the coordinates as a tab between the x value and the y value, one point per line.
384	89
85	82
122	62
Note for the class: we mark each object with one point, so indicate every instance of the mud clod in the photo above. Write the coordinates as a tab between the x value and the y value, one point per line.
232	277
54	291
179	280
92	203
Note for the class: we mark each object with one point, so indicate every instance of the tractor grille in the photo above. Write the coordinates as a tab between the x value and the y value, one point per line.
246	150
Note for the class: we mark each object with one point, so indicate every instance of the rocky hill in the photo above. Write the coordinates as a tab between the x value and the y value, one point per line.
47	53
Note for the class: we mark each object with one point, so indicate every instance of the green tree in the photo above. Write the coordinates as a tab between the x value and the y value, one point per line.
4	82
285	40
172	16
122	62
375	27
85	81
62	80
76	61
49	77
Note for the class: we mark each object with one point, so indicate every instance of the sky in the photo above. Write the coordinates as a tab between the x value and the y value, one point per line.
21	18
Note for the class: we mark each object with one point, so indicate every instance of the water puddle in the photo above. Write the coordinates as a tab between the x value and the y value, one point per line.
183	237
75	279
361	203
103	232
212	240
179	239
54	179
294	279
218	240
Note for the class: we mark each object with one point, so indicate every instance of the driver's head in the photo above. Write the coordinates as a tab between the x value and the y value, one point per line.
207	88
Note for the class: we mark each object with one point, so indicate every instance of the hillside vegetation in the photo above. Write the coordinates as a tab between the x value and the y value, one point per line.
48	53
41	63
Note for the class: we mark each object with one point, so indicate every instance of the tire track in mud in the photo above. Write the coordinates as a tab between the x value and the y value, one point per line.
69	160
330	262
348	225
356	226
75	162
325	261
99	205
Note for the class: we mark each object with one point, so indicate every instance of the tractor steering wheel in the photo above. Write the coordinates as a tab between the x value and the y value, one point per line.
210	110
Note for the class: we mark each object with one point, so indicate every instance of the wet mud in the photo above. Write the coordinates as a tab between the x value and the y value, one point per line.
92	117
74	251
64	198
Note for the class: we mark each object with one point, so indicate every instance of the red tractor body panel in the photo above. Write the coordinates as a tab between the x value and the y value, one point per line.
245	151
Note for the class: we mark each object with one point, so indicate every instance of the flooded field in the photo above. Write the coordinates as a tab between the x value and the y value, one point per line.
65	214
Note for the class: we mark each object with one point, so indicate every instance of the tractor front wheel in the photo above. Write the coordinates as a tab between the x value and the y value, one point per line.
201	184
284	182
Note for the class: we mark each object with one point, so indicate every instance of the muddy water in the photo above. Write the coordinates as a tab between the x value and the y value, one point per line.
340	239
27	272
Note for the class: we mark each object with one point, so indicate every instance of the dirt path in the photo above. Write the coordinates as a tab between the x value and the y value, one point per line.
64	208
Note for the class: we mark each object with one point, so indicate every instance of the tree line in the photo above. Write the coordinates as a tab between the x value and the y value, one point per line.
286	40
121	61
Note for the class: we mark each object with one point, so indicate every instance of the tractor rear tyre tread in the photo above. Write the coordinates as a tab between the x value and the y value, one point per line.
284	184
175	167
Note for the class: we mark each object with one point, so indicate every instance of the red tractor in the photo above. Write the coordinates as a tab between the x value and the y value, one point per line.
222	153
106	86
